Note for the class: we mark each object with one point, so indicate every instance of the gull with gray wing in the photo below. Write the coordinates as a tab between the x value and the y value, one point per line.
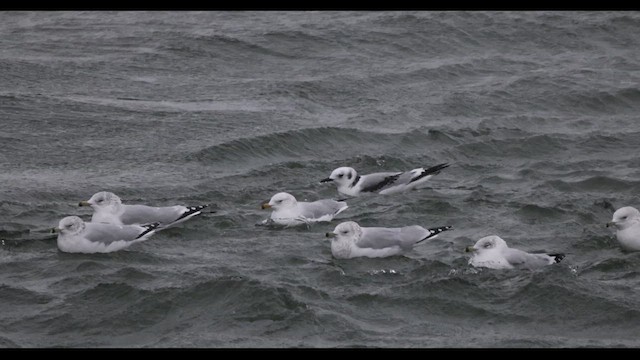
350	183
108	208
290	212
493	252
350	240
76	236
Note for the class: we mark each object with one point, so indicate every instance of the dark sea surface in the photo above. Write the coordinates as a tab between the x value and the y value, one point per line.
537	112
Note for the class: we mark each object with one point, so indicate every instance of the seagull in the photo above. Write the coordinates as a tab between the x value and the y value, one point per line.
290	212
108	208
493	252
76	236
351	184
627	222
350	240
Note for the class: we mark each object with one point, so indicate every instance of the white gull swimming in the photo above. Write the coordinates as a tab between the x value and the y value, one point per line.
493	252
290	212
626	220
350	240
76	236
350	183
108	208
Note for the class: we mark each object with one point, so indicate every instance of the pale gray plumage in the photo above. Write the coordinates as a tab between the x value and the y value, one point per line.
76	236
108	208
348	181
626	220
493	252
349	240
290	212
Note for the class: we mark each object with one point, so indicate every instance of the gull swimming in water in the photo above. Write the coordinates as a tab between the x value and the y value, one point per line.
350	240
76	236
352	184
626	220
290	212
108	208
493	252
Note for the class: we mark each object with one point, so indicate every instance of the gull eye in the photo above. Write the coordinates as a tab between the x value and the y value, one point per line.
487	245
345	231
624	217
340	175
279	201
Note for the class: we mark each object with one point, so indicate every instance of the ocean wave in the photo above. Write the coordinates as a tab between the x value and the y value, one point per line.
10	295
602	184
529	147
219	45
313	143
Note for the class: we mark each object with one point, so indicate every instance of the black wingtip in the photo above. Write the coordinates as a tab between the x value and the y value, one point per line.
431	171
435	231
436	169
191	210
557	257
150	228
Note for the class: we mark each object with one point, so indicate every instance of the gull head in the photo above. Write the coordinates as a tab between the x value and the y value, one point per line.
487	243
342	176
102	200
70	225
280	200
343	238
624	217
346	232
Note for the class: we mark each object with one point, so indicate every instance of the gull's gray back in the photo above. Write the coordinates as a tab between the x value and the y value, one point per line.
405	178
143	214
378	181
519	258
108	233
320	208
379	237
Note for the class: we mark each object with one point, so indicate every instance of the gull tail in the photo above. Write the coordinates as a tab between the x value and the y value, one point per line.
435	231
149	228
557	257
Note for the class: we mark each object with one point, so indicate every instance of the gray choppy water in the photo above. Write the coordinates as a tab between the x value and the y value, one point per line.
536	111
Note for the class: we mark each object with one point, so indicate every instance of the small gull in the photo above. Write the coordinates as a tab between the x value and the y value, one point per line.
76	236
290	212
350	240
627	223
108	208
352	184
492	252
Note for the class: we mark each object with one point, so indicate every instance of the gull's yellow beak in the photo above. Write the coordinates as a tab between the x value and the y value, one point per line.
330	235
84	203
469	249
266	206
611	223
55	230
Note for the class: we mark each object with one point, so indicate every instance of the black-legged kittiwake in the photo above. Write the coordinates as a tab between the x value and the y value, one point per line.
290	212
350	240
76	236
108	208
626	220
493	252
352	184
